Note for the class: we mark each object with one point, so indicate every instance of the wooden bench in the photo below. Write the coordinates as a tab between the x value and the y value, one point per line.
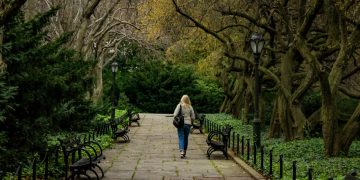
218	141
133	116
120	128
200	118
80	158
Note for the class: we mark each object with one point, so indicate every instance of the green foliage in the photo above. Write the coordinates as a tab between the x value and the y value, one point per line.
6	105
311	102
158	87
50	83
269	105
152	85
56	170
101	118
347	106
223	119
210	95
307	153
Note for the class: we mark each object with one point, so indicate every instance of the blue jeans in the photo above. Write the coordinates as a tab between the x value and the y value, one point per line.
183	134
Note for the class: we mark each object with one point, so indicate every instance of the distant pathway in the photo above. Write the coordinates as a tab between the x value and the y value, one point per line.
153	153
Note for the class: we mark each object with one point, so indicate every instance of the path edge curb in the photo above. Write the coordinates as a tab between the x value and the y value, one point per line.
253	173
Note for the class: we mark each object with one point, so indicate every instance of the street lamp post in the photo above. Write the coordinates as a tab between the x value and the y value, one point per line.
256	43
114	68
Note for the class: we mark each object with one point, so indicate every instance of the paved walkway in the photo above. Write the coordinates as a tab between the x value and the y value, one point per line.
153	153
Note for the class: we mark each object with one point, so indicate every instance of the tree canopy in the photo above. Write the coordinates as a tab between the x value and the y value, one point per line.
310	46
55	57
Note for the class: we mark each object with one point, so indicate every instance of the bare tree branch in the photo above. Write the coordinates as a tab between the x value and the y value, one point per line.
309	19
231	26
349	93
248	17
304	86
352	72
198	24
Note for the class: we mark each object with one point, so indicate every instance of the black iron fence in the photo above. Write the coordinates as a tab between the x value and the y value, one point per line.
48	165
260	158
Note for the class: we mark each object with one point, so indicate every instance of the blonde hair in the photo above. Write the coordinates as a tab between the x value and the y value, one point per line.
185	100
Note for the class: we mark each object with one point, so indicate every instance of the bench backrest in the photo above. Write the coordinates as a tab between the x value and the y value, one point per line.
202	119
74	151
119	121
222	134
74	145
226	133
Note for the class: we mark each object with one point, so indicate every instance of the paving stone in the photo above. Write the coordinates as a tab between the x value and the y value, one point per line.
118	174
153	153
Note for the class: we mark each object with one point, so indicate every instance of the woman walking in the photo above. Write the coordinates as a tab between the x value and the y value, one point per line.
183	132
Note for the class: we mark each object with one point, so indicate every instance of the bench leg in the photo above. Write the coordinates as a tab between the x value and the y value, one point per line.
196	127
97	176
134	121
114	136
225	154
102	172
86	175
210	151
73	173
126	138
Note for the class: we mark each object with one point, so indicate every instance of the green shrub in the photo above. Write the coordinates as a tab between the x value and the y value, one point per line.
57	170
311	102
157	87
51	84
308	153
150	84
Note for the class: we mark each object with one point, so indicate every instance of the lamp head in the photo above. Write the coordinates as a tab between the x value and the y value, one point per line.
256	43
114	67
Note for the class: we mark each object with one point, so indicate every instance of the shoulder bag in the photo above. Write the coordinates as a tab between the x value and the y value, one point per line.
178	121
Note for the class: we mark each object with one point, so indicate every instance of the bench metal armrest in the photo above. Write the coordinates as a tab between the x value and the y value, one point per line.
100	153
76	150
213	134
93	149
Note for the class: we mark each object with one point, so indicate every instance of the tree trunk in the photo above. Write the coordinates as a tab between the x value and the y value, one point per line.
223	105
299	121
227	91
284	118
234	93
286	69
314	119
349	132
81	34
330	123
329	87
247	104
237	101
275	128
98	89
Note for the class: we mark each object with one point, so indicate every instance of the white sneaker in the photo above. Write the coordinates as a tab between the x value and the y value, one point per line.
182	154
